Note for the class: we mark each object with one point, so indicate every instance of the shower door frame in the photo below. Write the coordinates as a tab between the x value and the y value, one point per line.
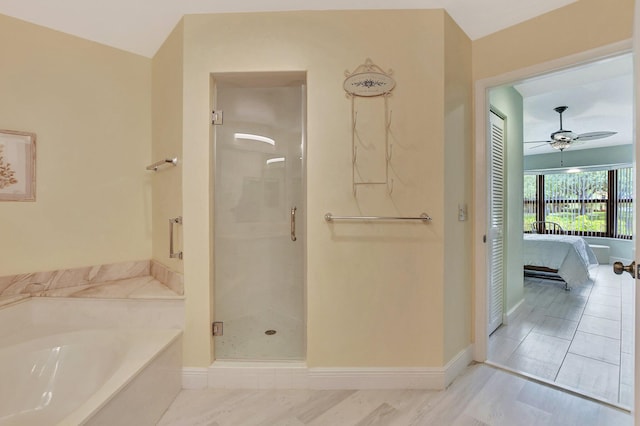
267	79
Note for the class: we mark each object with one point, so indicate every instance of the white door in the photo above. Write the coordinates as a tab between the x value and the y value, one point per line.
495	237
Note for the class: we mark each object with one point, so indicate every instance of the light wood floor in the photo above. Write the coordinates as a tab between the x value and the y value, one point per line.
482	395
581	339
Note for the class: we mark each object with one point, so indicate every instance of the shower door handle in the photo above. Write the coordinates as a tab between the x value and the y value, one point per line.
293	223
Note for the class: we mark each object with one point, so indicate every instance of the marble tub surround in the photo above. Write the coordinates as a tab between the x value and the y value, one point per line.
138	279
146	287
12	298
41	281
172	279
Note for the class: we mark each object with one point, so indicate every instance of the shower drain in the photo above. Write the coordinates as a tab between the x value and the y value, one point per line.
270	332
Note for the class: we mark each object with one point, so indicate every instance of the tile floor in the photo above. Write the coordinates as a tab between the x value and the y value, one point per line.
580	339
481	396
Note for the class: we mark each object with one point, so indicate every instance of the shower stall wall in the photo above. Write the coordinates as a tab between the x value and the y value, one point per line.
259	216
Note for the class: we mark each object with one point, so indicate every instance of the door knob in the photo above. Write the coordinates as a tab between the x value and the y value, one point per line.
619	268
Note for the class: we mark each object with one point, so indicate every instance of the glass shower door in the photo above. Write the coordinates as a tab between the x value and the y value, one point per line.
258	211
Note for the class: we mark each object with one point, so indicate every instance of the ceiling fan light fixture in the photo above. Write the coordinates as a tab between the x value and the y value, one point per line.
563	136
561	144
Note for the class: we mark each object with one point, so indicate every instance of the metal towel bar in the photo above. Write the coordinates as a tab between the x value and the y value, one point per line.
423	217
172	221
157	164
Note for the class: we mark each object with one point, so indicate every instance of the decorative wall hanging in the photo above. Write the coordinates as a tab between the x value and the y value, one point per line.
368	81
17	166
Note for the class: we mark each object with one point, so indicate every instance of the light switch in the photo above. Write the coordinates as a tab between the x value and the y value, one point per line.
462	212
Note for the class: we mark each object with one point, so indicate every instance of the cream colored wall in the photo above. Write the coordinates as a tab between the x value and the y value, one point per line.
578	27
458	189
90	107
375	291
167	83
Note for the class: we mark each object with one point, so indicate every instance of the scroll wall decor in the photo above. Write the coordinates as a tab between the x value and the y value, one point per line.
17	166
369	81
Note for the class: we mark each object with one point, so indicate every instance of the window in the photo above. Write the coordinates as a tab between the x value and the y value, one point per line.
594	203
624	203
530	200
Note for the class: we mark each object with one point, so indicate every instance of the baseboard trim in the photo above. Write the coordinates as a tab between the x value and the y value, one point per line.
194	378
457	365
376	378
509	316
296	375
257	375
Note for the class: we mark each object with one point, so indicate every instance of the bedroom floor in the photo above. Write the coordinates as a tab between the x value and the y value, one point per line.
580	339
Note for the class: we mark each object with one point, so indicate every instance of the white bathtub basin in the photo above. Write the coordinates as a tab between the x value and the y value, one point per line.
72	377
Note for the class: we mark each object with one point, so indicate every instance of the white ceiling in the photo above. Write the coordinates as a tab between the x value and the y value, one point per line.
141	26
599	97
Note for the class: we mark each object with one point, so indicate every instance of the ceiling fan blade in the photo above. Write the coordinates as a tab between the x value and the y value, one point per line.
538	146
538	142
593	135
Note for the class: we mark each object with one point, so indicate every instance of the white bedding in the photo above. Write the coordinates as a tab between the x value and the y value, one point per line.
569	254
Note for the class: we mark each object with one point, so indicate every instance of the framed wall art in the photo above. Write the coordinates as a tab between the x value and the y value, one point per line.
17	166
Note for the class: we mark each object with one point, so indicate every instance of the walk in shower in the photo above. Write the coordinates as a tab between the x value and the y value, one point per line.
259	215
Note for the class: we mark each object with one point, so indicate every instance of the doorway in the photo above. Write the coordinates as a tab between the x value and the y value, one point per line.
579	340
259	216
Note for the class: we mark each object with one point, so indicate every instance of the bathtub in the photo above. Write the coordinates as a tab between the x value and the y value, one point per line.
63	376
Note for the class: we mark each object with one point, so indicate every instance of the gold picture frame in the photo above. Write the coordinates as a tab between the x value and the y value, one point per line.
17	166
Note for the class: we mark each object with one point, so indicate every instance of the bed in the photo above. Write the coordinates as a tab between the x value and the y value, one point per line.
565	256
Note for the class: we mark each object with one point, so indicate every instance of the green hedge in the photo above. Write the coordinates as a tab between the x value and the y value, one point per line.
589	222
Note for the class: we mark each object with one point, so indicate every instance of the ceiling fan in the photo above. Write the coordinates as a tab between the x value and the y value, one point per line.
561	139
